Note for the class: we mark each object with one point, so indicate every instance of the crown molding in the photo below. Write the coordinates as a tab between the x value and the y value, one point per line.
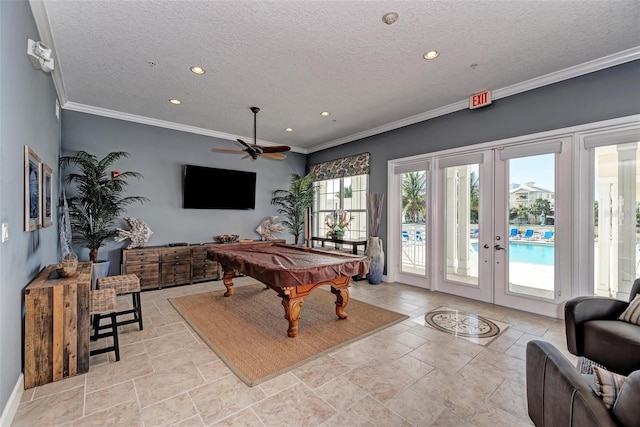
555	77
83	108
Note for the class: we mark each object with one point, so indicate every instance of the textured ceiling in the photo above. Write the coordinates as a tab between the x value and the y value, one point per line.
294	59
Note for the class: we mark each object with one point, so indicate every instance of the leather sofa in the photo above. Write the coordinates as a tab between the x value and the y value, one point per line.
558	395
594	332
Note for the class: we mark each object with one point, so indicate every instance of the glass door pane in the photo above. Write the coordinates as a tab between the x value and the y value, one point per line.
414	208
462	201
531	251
616	215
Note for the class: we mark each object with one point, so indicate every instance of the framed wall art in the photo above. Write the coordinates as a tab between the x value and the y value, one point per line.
32	190
47	194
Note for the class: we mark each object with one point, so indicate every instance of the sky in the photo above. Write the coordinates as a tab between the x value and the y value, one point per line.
538	169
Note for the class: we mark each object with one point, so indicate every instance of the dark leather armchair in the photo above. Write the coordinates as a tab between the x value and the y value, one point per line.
557	395
594	332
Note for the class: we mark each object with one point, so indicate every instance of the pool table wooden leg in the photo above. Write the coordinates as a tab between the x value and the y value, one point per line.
342	299
227	279
292	308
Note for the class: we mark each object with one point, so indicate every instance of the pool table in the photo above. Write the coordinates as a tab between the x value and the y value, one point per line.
293	272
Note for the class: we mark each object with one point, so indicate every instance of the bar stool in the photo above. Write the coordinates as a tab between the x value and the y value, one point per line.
123	284
102	303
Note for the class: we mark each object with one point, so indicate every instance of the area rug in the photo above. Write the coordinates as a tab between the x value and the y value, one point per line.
248	330
468	326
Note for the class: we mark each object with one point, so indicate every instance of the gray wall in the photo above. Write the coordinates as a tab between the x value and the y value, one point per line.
27	106
159	154
606	94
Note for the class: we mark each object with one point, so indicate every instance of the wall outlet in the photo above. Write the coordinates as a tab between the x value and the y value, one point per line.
5	232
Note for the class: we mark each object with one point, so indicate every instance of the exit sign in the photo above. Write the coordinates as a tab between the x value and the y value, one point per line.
481	99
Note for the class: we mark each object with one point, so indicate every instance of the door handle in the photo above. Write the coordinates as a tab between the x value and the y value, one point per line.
498	248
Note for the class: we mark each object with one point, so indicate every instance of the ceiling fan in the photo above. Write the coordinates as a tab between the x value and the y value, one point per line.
254	150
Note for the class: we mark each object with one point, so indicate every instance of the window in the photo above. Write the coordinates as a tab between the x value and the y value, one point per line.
342	190
341	196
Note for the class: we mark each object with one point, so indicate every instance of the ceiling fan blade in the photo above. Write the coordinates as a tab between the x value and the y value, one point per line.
227	150
275	149
275	156
245	144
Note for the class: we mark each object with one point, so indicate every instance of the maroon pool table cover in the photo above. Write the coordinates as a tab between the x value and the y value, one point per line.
283	265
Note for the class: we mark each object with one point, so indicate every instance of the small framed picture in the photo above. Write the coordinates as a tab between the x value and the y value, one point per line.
32	190
47	193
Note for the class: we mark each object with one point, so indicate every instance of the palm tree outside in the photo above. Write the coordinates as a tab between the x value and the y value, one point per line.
414	192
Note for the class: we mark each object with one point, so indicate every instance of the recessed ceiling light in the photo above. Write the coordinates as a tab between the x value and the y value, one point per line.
197	70
325	114
175	101
432	54
289	129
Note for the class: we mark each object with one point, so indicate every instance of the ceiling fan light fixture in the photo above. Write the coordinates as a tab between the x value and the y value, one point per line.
197	70
175	101
432	54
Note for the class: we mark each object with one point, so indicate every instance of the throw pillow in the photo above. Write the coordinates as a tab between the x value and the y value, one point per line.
626	407
585	366
608	385
632	313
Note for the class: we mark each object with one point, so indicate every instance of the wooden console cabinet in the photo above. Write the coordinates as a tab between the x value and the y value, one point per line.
57	326
160	266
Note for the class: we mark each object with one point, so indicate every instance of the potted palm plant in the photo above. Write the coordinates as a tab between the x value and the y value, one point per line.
98	200
293	202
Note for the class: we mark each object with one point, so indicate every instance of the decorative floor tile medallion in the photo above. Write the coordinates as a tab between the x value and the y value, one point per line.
468	326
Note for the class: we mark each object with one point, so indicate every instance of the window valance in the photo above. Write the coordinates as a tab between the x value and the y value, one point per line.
339	168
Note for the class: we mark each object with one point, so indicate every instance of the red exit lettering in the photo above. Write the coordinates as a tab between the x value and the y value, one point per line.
478	100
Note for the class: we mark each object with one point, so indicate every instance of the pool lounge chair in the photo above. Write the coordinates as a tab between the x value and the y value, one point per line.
405	236
514	233
474	233
548	235
419	237
528	234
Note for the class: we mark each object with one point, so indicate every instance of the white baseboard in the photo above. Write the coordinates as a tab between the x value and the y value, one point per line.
12	404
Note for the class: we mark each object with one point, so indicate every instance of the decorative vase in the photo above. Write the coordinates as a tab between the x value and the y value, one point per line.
68	266
376	253
100	269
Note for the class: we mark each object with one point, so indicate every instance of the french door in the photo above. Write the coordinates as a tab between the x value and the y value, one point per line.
411	232
504	227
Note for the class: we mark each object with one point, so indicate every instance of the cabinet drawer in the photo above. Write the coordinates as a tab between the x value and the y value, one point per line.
178	267
175	277
141	256
199	272
199	252
149	282
176	254
142	269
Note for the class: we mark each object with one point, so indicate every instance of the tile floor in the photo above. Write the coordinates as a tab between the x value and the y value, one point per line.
405	375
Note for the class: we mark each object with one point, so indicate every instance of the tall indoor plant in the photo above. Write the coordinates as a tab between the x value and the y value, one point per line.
293	203
98	198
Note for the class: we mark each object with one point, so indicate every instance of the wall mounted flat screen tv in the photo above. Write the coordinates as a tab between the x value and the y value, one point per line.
211	188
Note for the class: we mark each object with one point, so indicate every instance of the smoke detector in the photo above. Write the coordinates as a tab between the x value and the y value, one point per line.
390	18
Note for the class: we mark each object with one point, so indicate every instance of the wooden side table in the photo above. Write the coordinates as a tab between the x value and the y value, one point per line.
354	243
57	326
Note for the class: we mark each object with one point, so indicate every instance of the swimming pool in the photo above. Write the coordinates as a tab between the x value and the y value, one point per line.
529	252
